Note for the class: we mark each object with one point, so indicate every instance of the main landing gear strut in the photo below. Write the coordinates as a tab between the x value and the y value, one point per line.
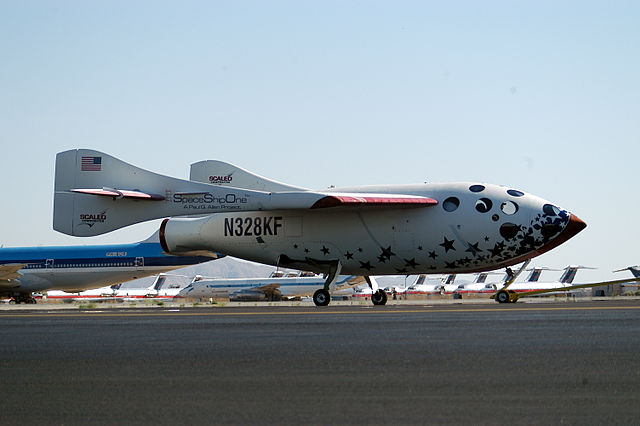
322	297
505	296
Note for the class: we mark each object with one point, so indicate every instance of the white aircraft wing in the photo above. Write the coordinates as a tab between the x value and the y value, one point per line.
361	199
10	272
515	296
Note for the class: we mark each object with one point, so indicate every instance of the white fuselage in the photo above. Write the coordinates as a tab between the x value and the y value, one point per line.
473	228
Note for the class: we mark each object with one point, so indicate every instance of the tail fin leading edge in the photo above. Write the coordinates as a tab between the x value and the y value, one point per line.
225	174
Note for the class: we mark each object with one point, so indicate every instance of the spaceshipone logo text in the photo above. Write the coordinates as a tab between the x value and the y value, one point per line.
209	201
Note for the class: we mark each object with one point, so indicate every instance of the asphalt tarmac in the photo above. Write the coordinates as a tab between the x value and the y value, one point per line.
574	363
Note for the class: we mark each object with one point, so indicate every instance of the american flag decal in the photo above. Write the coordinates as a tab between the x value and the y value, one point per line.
91	164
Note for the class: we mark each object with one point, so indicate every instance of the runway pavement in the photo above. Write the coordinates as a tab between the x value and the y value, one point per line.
402	364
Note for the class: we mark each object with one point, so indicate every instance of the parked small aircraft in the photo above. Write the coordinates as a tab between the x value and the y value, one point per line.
275	287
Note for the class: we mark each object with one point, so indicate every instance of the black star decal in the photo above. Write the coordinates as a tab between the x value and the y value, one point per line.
348	255
386	252
360	249
324	250
433	255
486	238
382	259
366	265
496	250
419	247
474	249
450	265
448	245
295	246
306	250
411	263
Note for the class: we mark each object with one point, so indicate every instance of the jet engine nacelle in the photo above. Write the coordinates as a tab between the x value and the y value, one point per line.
183	235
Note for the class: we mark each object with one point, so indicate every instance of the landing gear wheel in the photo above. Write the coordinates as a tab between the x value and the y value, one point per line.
503	297
379	298
321	297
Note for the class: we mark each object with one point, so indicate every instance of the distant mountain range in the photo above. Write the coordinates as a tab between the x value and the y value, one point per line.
227	267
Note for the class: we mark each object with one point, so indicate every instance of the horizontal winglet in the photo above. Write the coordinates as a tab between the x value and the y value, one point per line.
373	199
120	193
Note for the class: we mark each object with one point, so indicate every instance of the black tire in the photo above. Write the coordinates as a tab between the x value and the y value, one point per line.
321	297
503	297
379	298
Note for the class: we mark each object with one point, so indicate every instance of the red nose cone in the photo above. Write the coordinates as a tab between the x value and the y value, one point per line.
575	225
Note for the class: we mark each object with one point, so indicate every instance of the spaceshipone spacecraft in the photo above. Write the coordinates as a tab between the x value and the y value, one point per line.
368	230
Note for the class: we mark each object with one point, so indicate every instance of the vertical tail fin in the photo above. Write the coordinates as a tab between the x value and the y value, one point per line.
96	193
159	282
569	275
224	174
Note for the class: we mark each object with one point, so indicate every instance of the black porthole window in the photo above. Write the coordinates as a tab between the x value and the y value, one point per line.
451	204
483	205
551	210
509	230
509	208
515	193
476	188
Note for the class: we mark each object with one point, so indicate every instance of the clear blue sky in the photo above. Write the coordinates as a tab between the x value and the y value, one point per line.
543	96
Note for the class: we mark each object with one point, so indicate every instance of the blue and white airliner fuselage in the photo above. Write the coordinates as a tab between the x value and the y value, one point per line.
24	270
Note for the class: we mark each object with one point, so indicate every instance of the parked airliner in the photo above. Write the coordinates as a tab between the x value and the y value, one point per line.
24	270
479	285
424	286
382	230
